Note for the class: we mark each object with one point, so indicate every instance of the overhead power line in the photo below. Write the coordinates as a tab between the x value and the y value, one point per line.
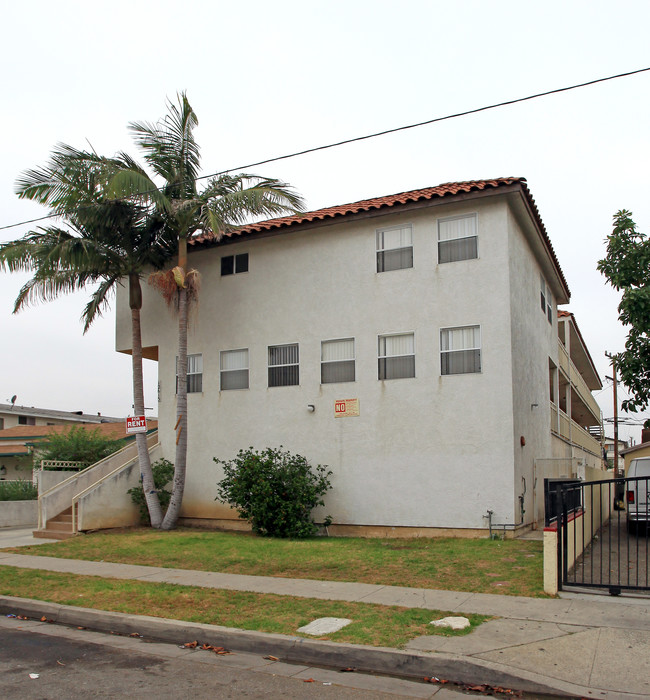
385	132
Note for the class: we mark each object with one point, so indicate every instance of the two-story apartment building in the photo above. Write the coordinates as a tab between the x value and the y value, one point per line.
409	342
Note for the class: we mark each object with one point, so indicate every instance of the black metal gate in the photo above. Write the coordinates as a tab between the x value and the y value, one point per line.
603	533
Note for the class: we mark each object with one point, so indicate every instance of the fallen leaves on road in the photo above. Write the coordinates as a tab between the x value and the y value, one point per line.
221	651
483	688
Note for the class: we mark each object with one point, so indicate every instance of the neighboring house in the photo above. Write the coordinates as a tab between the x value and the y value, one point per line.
12	415
18	443
608	447
410	342
635	451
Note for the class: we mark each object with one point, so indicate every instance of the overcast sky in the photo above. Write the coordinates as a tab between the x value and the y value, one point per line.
267	79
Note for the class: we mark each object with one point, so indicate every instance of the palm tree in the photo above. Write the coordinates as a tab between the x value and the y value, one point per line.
105	241
172	153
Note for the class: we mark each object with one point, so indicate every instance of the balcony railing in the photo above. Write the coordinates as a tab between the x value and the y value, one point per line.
577	382
571	431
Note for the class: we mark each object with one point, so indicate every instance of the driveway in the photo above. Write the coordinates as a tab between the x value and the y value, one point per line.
614	558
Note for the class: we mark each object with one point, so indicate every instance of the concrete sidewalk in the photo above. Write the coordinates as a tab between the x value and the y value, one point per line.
577	645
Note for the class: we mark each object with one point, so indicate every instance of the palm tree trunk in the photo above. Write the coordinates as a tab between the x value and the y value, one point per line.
151	497
174	509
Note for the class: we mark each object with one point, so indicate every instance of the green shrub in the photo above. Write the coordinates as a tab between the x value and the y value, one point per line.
18	491
163	473
77	445
274	490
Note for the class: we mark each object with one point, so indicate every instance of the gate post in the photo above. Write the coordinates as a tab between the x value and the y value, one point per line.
551	545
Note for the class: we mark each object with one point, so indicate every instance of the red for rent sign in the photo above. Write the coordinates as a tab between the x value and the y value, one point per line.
136	424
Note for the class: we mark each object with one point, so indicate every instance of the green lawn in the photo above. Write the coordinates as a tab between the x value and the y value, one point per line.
511	567
375	625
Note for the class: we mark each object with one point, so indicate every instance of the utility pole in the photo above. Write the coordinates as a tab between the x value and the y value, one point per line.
615	385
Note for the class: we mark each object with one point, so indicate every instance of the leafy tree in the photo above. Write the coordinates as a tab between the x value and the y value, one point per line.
173	155
104	242
77	444
627	268
275	491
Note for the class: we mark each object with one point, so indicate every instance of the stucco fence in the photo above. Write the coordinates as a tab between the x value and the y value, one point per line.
18	513
581	529
25	513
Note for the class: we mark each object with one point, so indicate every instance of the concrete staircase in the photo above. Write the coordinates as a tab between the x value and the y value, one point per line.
98	495
57	528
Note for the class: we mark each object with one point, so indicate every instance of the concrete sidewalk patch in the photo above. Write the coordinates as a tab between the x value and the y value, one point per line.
494	635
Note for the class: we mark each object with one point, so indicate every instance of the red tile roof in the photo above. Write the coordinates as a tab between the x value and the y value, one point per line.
448	189
20	433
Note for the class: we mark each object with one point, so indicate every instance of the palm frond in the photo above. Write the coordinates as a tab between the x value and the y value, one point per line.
135	184
47	286
99	301
230	201
170	148
272	189
71	178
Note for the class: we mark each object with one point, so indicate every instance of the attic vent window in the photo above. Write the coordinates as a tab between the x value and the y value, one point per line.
234	264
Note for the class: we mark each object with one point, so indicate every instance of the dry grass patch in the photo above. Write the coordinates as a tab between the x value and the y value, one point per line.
375	625
445	563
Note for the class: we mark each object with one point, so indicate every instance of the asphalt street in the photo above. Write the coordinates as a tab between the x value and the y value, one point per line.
73	663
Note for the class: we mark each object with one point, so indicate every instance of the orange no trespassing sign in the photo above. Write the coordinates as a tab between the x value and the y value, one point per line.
346	408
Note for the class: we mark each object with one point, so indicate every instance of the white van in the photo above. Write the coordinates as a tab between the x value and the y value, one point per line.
637	497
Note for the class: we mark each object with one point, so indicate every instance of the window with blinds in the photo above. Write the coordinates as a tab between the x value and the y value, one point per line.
194	374
284	369
394	248
460	350
337	361
396	355
233	369
457	238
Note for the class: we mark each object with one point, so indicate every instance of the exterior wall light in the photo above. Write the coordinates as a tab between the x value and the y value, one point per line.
310	407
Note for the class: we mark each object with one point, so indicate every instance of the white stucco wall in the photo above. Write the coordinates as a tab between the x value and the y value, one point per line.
431	451
534	341
18	513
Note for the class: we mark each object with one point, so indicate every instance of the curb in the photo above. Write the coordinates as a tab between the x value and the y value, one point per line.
296	650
